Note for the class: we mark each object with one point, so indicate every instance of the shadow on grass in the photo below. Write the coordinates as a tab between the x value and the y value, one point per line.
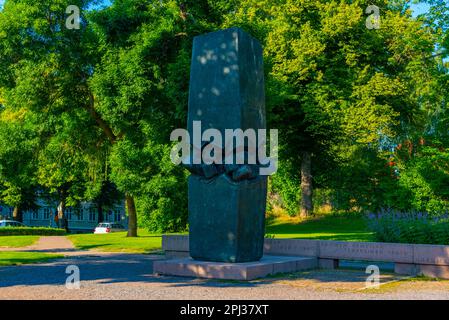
364	237
91	246
26	259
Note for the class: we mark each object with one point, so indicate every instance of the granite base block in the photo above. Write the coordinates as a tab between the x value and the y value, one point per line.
433	271
409	269
187	267
330	264
176	254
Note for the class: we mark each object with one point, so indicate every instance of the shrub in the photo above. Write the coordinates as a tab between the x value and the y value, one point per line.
162	206
285	189
30	231
410	227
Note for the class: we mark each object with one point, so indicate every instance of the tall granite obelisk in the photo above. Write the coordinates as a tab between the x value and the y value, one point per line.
227	202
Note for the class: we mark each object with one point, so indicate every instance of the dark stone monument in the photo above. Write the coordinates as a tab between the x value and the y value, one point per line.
227	198
227	202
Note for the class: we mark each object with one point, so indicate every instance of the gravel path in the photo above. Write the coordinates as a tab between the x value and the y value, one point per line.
46	244
58	245
129	276
53	244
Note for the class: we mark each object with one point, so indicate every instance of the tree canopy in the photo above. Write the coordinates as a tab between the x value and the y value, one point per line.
86	113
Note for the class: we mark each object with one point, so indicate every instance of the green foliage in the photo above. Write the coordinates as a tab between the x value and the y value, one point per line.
162	205
410	227
426	177
285	184
18	146
43	86
86	114
339	91
31	231
141	89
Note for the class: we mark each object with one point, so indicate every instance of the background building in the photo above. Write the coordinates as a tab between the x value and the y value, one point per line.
82	218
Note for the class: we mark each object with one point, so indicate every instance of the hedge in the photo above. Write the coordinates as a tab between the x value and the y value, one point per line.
410	227
30	231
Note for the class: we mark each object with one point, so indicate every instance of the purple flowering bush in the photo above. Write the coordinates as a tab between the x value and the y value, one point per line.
409	227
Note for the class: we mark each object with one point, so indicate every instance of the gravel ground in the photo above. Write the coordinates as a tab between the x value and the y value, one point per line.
129	276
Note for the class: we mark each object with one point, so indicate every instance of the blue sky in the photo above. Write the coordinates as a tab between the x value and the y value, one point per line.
104	2
418	9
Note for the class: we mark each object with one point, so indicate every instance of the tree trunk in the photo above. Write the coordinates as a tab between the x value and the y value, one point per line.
17	214
100	213
62	221
306	185
100	122
132	216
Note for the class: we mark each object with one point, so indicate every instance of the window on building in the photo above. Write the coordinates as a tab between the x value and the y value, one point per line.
35	215
92	215
117	215
46	213
108	216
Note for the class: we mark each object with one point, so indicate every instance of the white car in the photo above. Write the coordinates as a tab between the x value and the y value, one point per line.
108	227
10	223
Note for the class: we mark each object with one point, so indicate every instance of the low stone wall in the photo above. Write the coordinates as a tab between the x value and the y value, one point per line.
175	246
411	259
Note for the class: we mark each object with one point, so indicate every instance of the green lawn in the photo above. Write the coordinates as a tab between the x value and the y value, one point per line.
10	258
118	242
17	241
327	227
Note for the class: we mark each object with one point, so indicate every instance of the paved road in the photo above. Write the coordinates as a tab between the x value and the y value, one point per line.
128	276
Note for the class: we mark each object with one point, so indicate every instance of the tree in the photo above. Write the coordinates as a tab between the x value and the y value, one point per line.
45	69
107	197
126	68
66	166
18	162
337	82
140	89
127	91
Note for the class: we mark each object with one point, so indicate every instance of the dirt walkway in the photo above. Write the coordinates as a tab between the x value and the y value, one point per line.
58	245
52	244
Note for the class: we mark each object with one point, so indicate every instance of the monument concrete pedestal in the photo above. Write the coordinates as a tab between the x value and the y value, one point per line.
187	267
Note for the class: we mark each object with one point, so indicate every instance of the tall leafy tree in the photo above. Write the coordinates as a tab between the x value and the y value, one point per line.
126	68
140	88
18	162
337	82
44	70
